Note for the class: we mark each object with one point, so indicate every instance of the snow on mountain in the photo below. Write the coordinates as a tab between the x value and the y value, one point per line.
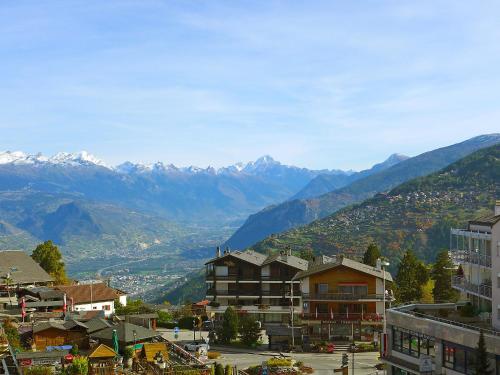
80	158
19	157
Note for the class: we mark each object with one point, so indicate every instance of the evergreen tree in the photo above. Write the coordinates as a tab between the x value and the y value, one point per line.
50	259
441	273
219	369
249	330
372	253
482	362
411	277
229	328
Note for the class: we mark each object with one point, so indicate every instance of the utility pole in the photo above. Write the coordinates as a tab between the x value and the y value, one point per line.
291	304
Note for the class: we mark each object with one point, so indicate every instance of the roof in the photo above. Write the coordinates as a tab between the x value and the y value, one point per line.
346	262
21	268
125	333
291	260
56	354
44	304
45	292
485	220
63	326
205	302
97	324
103	351
86	293
150	350
258	259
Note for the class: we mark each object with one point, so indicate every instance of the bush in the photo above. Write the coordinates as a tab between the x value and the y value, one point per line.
79	366
219	370
279	362
228	370
468	311
249	330
38	370
186	322
128	352
74	350
366	347
299	363
213	355
169	325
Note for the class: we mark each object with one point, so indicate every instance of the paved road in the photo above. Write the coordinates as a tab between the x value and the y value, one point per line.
323	364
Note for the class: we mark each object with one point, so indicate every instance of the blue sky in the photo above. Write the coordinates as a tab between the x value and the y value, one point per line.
333	84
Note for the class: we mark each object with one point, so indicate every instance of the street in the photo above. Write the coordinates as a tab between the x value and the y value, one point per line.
322	363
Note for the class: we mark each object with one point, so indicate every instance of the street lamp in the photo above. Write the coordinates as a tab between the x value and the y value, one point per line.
353	349
384	263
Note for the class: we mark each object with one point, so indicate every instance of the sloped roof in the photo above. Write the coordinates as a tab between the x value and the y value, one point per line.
21	267
97	324
291	260
86	293
150	350
346	262
488	220
103	351
125	332
258	259
63	326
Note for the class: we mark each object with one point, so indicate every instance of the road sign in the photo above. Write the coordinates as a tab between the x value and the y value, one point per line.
69	357
425	363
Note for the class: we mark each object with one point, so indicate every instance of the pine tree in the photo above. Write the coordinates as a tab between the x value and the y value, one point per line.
412	275
441	273
50	259
372	253
219	369
249	330
229	328
482	362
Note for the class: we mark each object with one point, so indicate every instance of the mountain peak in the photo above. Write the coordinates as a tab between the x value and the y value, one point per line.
78	158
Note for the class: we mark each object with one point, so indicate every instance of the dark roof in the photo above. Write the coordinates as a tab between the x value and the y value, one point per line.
488	220
291	260
48	354
45	292
125	333
258	259
97	324
63	326
21	267
44	304
85	293
346	262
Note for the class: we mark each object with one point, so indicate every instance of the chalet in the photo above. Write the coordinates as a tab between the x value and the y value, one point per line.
128	334
90	297
42	299
342	299
60	333
18	269
254	283
101	360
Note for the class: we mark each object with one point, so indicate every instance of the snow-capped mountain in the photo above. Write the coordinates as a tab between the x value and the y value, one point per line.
61	158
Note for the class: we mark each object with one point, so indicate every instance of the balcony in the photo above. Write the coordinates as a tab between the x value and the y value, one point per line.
255	309
213	292
342	297
464	285
343	317
470	257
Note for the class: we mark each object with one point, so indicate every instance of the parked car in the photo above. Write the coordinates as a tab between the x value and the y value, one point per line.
196	346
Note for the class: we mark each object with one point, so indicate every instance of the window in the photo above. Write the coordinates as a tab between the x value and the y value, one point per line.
458	358
412	343
106	307
322	288
322	308
399	371
94	308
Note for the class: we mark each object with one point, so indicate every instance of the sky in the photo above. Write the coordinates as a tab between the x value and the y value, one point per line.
319	84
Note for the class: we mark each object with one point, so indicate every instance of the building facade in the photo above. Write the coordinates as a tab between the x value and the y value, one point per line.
476	250
442	338
254	283
342	299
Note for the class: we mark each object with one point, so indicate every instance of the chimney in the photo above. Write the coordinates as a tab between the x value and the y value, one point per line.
497	207
378	266
217	252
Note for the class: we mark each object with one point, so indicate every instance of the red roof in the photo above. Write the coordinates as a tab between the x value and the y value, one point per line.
205	302
86	293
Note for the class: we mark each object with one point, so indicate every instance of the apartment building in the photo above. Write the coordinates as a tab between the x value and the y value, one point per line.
476	250
254	283
442	338
342	299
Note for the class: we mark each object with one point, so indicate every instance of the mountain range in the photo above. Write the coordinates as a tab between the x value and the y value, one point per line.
416	214
352	189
